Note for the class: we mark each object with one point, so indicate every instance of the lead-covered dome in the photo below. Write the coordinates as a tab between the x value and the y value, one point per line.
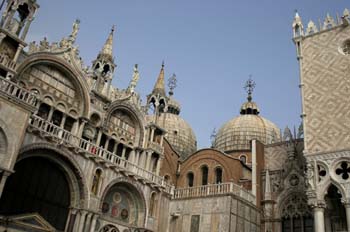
180	135
237	133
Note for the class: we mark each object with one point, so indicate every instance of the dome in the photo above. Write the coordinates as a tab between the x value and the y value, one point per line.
237	133
179	134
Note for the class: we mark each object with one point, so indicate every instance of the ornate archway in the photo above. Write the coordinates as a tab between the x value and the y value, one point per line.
44	182
124	203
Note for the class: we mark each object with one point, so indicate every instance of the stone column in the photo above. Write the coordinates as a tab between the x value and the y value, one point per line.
3	181
319	218
82	220
132	156
152	134
2	36
107	143
18	52
76	222
88	221
93	223
99	135
26	28
81	127
347	210
123	153
159	161
49	117
148	162
70	220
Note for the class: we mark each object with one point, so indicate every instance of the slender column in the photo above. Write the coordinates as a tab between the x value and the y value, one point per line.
76	222
319	219
347	210
148	162
123	153
81	127
3	181
107	143
88	221
99	135
2	36
70	218
75	128
159	161
9	17
152	134
49	117
93	223
132	156
26	28
63	121
115	147
161	140
82	220
19	50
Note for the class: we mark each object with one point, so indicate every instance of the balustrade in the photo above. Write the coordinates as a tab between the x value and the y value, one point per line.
214	190
11	89
65	137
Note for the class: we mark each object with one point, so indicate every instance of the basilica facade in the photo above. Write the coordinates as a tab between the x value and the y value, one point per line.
79	154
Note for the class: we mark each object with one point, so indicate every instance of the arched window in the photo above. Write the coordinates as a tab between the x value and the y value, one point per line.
96	181
152	205
190	178
43	111
205	172
243	158
218	175
296	214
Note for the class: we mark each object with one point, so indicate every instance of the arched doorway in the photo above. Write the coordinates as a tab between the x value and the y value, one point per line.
335	216
38	185
124	203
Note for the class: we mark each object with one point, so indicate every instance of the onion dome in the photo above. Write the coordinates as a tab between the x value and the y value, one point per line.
237	133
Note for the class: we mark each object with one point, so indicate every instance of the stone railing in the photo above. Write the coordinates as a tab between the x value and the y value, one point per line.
17	92
156	147
83	146
7	62
214	190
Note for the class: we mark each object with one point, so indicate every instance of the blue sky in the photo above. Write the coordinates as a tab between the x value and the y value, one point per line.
212	46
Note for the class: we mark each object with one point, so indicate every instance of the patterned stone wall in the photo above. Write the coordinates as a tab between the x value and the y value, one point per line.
325	77
216	214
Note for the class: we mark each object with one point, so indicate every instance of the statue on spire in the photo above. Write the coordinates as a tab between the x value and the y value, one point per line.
172	84
249	87
135	78
75	30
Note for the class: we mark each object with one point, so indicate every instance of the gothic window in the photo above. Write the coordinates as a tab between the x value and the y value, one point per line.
57	117
205	172
321	172
343	170
190	178
96	181
296	215
218	175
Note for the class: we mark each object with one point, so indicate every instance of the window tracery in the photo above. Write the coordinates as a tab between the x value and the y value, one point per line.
343	170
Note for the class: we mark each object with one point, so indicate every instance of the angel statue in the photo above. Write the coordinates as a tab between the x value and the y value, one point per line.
135	78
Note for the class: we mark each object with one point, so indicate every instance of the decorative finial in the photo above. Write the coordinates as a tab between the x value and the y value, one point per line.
249	87
212	137
172	84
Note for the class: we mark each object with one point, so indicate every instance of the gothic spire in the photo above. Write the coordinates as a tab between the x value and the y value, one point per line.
159	87
107	50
